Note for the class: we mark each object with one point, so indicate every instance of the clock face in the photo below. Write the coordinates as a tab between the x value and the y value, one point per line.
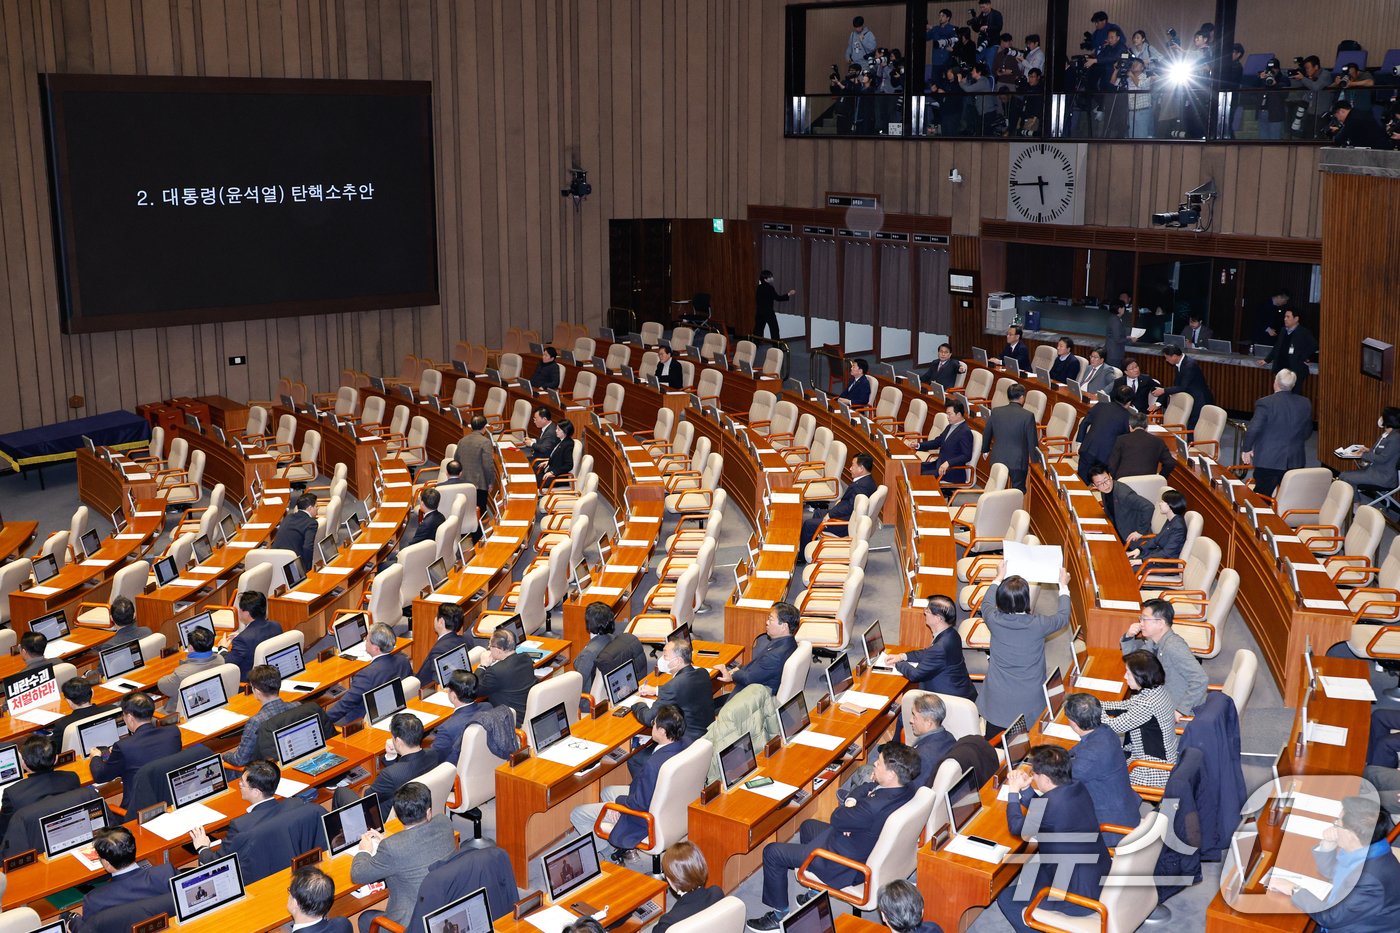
1042	184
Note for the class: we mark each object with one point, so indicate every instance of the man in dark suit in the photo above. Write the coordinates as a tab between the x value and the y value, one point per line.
1063	820
78	693
448	625
1100	429
407	761
1189	379
1356	858
853	831
258	788
461	689
689	689
857	390
429	518
765	316
1010	435
932	742
1197	334
454	475
548	373
668	370
1016	348
402	860
945	369
547	438
954	446
505	677
1293	349
1128	511
767	665
1098	764
384	666
254	629
144	743
37	753
310	897
1066	366
130	881
122	612
1275	441
297	532
861	484
1139	384
667	734
1139	452
939	667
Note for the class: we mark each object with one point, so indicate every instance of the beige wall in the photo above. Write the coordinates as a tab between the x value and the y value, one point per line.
641	93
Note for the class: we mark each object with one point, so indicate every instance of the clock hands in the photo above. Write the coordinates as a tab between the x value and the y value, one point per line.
1040	184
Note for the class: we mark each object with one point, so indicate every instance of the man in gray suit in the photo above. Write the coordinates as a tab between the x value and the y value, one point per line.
1273	443
1010	435
1115	338
1099	376
477	455
402	860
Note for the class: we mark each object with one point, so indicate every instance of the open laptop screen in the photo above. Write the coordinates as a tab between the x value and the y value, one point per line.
299	739
345	825
838	676
737	760
9	765
467	914
204	620
571	865
71	828
203	888
549	727
196	781
793	717
621	682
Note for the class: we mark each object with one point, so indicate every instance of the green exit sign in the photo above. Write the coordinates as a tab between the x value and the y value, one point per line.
717	225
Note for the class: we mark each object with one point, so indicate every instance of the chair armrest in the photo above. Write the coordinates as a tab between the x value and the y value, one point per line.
1208	629
1358	569
1389	601
812	881
1069	898
1286	514
648	842
1372	647
384	924
1150	794
673	480
1161	565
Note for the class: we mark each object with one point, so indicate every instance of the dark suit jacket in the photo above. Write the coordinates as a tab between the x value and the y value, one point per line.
673	377
622	647
1064	368
427	672
127	757
142	881
940	667
1099	430
1143	393
297	533
691	690
396	774
127	633
427	527
1192	381
381	670
561	458
857	391
865	486
447	737
954	448
688	905
1065	812
1128	511
1197	336
1115	339
631	830
932	747
461	873
1371	904
33	789
546	375
1140	453
541	447
508	683
1099	766
943	373
1020	353
1279	431
245	642
248	835
331	925
59	726
1010	436
767	665
1166	543
854	830
1292	351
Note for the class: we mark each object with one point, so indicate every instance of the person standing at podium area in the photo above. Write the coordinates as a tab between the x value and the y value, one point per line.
765	317
1275	441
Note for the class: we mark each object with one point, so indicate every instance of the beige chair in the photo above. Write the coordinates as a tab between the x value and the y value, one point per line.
1301	494
1176	414
651	628
773	362
999	397
151	647
892	857
1239	684
256	578
1043	357
414	560
476	777
301	469
585	348
887	404
1200	624
619	355
1057	434
724	916
611	409
12	575
761	409
511	366
1325	534
651	333
820	481
682	338
960	718
829	614
713	346
781	427
678	783
278	643
463	394
439	781
915	416
1036	401
130	581
710	385
1129	892
745	351
1355	565
1198	573
690	493
1210	427
585	385
565	688
26	920
529	606
991	521
182	487
795	670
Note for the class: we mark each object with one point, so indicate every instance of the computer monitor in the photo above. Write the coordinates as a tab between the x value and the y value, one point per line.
680	631
207	887
350	632
203	696
90	542
1013	367
45	568
621	683
964	801
838	676
196	781
298	740
1219	346
516	627
467	914
571	865
53	625
1054	694
1016	742
353	525
166	571
737	761
385	700
979	355
203	550
458	659
327	550
288	661
1174	340
437	574
294	573
345	825
1043	374
874	641
72	828
117	661
550	727
812	917
793	717
204	620
235	511
1075	389
103	732
118	520
10	770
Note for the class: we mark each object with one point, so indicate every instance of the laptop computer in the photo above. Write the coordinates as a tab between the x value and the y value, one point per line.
1016	742
166	571
458	659
350	633
469	913
207	887
383	702
345	825
793	717
874	641
294	573
352	526
621	684
202	697
118	661
1054	694
90	542
839	678
118	520
53	625
45	568
737	761
327	549
570	866
202	549
203	620
812	917
101	733
549	727
65	830
979	355
196	781
301	747
289	663
437	574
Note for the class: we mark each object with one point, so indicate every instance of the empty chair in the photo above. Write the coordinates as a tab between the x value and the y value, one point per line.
510	366
585	384
828	615
1036	400
1210	427
12	575
651	333
773	362
611	409
682	338
185	487
691	493
1355	565
128	582
887	408
585	348
822	481
301	468
1200	624
1324	534
713	346
761	408
993	516
745	351
709	387
619	355
463	394
415	560
1239	683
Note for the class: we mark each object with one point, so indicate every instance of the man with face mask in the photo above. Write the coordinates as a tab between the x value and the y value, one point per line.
689	688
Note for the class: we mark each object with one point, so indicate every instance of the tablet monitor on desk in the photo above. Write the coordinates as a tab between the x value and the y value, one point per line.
793	717
45	568
874	641
204	620
90	542
384	701
437	574
1174	340
103	732
571	865
196	781
1054	694
71	828
467	914
288	661
202	549
10	770
350	633
964	801
1016	742
838	676
1043	375
1219	346
207	887
294	573
53	625
680	631
117	661
326	548
812	917
458	659
737	761
166	571
549	727
298	740
118	520
1075	389
203	696
621	683
516	627
345	825
1013	367
979	355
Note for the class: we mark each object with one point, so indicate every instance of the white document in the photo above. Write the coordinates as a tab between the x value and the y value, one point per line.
1059	730
755	604
177	823
786	498
300	596
188	581
440	699
1097	683
864	700
781	548
366	547
1127	605
1336	604
775	791
818	740
102	562
442	598
1316	886
40	717
257	526
243	544
1136	333
383	524
772	574
1348	688
604	591
961	845
634	542
1099	536
205	571
216	720
573	751
42	590
286	787
128	536
426	718
925	532
551	919
1327	735
1314	804
1036	563
621	568
60	646
1305	826
338	571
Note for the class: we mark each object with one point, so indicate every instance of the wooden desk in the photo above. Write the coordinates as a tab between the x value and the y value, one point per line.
104	487
15	537
223	464
765	575
337	447
228	414
87	639
620	890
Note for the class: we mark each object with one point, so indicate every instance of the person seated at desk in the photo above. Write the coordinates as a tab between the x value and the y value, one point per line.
939	667
1015	684
265	684
116	850
199	658
667	734
901	908
143	743
1139	452
1099	376
1167	542
548	438
429	518
254	628
767	665
1099	431
1189	379
548	373
406	761
1016	348
461	689
506	676
122	612
857	390
37	754
1066	366
78	693
297	531
852	832
561	458
402	860
32	646
1098	764
668	369
954	446
1186	682
1147	718
1380	463
310	897
607	648
257	786
1140	385
1355	858
861	484
1196	334
689	688
1058	812
1276	439
384	665
448	624
931	742
687	875
945	370
1129	512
